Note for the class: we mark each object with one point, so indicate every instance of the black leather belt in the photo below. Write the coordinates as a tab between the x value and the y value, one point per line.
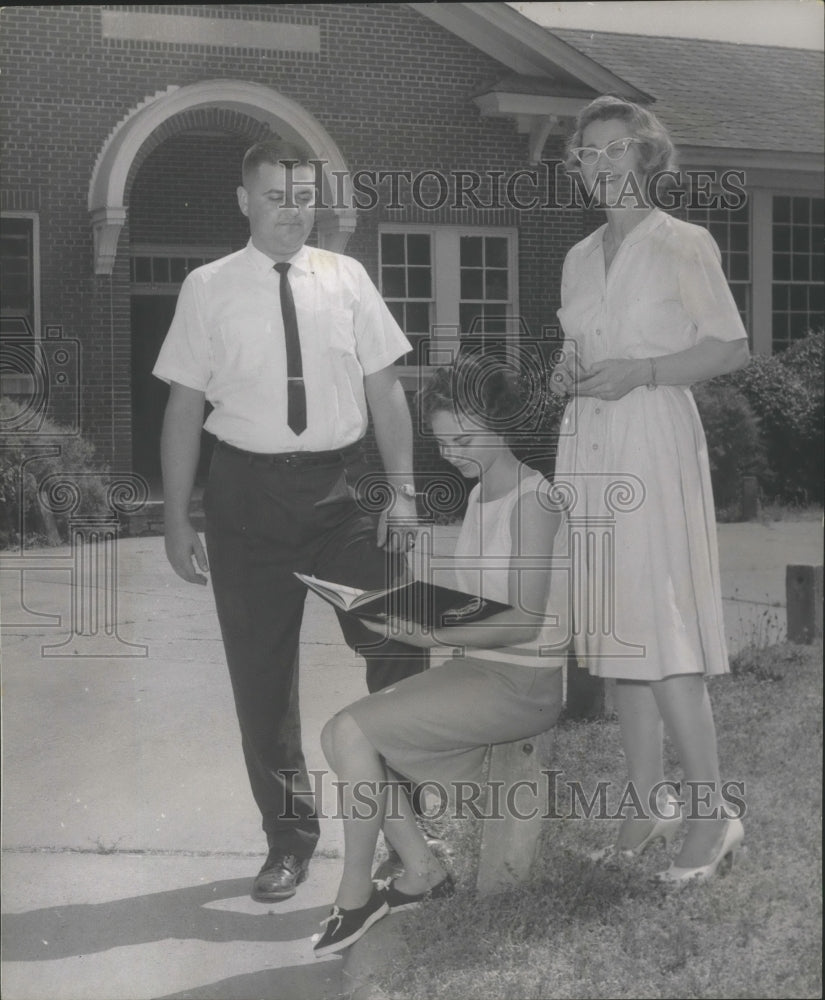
295	459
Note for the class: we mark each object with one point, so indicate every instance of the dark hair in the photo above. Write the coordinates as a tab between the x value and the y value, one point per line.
274	151
657	151
480	388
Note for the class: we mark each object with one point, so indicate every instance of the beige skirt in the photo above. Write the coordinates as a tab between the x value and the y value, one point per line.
436	726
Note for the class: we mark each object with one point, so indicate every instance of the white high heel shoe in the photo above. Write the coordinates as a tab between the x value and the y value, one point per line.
731	844
665	829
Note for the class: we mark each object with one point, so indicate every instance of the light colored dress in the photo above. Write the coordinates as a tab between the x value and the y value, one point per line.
648	599
436	726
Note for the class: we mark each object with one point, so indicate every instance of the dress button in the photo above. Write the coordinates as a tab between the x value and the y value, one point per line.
595	447
598	333
598	409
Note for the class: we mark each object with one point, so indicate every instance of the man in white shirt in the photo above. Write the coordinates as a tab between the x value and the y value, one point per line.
290	407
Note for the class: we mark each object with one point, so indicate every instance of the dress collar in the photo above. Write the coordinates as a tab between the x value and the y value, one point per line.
299	261
650	222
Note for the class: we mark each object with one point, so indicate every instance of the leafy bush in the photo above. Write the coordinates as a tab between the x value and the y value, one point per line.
26	460
785	391
734	441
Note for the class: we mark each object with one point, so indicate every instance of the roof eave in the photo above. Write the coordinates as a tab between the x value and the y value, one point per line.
525	47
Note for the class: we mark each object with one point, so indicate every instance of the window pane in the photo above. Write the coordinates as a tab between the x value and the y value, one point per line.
719	231
471	251
801	210
394	285
496	251
418	249
469	317
781	267
817	298
472	285
143	270
817	269
494	321
780	326
160	270
801	267
496	285
419	284
781	209
392	248
418	317
801	239
818	211
397	310
177	269
799	298
799	325
781	239
780	297
738	267
739	238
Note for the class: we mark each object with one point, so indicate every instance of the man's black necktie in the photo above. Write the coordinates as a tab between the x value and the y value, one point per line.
296	394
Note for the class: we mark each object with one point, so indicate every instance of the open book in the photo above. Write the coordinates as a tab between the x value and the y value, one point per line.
425	603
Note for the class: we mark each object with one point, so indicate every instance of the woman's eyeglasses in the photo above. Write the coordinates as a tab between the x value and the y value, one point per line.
614	150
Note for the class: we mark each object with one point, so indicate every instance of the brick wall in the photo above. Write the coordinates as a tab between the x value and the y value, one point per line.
392	88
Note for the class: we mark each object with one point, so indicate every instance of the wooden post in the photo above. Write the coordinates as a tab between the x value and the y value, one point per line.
750	498
803	594
510	836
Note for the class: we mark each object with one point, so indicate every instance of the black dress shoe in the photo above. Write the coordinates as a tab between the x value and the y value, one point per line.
279	877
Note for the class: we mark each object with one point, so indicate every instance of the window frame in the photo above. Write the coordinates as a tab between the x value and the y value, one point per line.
445	263
781	344
36	289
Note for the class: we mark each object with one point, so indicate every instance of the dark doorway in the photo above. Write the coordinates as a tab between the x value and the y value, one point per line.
151	316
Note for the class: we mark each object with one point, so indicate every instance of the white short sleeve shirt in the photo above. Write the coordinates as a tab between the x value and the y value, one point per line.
227	340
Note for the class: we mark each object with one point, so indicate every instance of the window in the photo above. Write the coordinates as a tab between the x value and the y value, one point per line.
161	270
798	273
407	284
460	280
732	232
19	273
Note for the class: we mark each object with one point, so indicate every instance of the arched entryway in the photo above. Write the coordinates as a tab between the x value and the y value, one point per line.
173	162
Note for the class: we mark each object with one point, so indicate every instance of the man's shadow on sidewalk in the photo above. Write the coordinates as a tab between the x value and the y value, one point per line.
85	928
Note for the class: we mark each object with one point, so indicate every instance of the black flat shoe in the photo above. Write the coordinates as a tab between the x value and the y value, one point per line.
343	928
280	877
399	900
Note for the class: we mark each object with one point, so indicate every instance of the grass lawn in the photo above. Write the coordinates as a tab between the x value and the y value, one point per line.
585	930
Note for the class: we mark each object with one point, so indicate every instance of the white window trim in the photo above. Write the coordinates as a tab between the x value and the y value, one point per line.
167	250
446	297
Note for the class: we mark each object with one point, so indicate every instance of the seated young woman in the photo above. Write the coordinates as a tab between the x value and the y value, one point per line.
505	682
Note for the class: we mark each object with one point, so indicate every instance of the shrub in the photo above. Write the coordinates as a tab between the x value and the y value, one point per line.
734	441
785	391
23	467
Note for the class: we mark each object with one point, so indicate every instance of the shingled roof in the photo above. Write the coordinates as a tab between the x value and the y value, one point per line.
713	93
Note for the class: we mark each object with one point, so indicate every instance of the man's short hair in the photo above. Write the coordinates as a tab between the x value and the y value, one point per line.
274	151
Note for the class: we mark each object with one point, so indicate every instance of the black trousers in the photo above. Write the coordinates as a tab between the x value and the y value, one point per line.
264	521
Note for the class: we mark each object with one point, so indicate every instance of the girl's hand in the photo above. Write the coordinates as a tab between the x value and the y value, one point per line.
613	378
402	630
380	628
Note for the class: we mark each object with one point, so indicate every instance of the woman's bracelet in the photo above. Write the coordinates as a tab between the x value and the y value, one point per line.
652	384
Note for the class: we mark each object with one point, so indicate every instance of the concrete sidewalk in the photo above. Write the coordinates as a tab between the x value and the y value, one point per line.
130	835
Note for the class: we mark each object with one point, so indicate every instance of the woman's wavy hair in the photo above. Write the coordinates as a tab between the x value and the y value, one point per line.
657	152
478	387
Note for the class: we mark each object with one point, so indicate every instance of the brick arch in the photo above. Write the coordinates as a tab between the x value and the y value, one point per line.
231	122
218	103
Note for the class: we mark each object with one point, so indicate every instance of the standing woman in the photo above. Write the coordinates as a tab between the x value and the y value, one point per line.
647	312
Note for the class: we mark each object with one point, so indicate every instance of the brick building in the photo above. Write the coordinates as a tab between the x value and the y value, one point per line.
438	127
